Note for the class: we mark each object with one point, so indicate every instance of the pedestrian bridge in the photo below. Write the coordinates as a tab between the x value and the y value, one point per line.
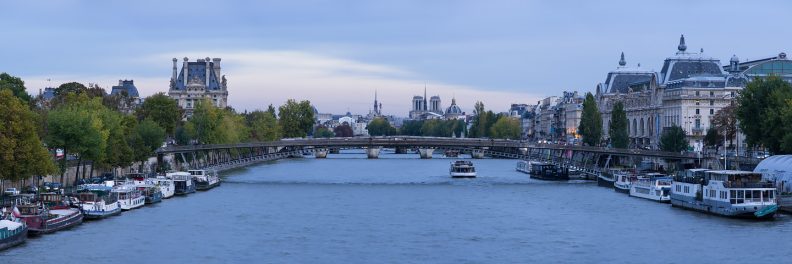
583	158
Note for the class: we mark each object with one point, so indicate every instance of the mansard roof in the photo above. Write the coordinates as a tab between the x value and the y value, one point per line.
196	73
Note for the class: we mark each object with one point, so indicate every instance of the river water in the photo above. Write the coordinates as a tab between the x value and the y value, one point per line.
400	209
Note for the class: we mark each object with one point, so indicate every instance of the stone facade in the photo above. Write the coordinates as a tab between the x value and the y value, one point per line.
197	81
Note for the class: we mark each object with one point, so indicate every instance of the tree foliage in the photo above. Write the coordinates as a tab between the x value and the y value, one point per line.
323	132
619	136
22	154
344	130
590	127
381	127
762	114
673	139
16	85
296	119
482	122
162	110
725	121
77	128
713	138
506	128
211	125
263	126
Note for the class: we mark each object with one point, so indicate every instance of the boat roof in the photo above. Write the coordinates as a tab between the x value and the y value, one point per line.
11	225
732	172
696	170
94	187
178	173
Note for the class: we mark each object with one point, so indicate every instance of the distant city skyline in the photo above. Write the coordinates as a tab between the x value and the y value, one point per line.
338	54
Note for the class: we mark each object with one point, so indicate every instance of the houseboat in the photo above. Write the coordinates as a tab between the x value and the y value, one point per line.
151	193
606	178
653	186
165	186
462	169
451	153
524	166
731	193
13	231
97	201
182	182
548	172
204	180
42	220
129	197
623	182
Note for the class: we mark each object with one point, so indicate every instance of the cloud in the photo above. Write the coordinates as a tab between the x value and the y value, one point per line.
257	78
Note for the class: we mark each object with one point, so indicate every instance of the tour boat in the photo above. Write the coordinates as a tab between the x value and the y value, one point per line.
13	231
548	172
623	182
204	180
129	197
182	181
653	186
451	153
97	201
731	193
462	169
42	220
165	186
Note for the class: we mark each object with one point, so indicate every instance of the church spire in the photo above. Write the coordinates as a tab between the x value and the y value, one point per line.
424	102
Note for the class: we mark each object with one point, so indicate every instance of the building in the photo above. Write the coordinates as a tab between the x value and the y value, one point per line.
422	110
454	111
197	81
128	93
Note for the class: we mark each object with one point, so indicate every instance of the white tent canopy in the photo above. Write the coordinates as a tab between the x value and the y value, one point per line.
777	168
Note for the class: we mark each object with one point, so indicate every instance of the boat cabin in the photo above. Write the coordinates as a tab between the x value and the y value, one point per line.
463	166
97	193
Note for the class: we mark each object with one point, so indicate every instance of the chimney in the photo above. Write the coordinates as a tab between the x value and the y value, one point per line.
216	66
207	73
174	69
184	71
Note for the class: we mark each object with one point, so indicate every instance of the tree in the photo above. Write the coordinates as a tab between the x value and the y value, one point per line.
263	126
22	154
506	128
411	128
673	139
344	130
760	112
725	122
713	138
619	135
296	119
380	127
482	122
77	128
151	136
323	132
590	122
16	85
211	125
162	110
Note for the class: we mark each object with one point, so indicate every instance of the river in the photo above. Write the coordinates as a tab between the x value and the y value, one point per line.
401	209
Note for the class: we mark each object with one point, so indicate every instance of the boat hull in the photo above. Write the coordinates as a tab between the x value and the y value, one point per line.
651	197
463	175
75	217
621	189
548	178
132	203
203	186
746	212
13	238
183	189
96	215
154	198
601	182
785	203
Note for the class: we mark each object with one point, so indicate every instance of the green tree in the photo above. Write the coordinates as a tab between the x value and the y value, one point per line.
673	139
118	152
506	128
411	128
760	112
211	125
16	85
296	119
263	126
713	138
22	154
483	121
619	136
77	128
725	122
380	127
151	135
590	127
162	110
323	132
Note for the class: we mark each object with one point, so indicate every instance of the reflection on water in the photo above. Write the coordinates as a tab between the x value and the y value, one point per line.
401	209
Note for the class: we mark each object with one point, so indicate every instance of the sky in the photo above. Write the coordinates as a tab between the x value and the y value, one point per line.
337	53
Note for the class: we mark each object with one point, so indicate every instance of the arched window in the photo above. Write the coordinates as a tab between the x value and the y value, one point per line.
642	127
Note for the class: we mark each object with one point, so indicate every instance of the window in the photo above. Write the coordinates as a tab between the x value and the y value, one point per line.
712	111
697	111
697	93
712	93
712	102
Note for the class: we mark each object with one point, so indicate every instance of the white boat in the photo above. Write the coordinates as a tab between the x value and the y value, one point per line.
730	193
653	186
182	182
165	185
204	180
129	197
462	169
623	182
97	201
524	166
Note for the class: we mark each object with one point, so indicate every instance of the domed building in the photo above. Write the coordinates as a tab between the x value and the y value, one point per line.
453	111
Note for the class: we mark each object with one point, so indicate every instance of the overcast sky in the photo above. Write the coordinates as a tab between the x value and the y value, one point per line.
336	53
